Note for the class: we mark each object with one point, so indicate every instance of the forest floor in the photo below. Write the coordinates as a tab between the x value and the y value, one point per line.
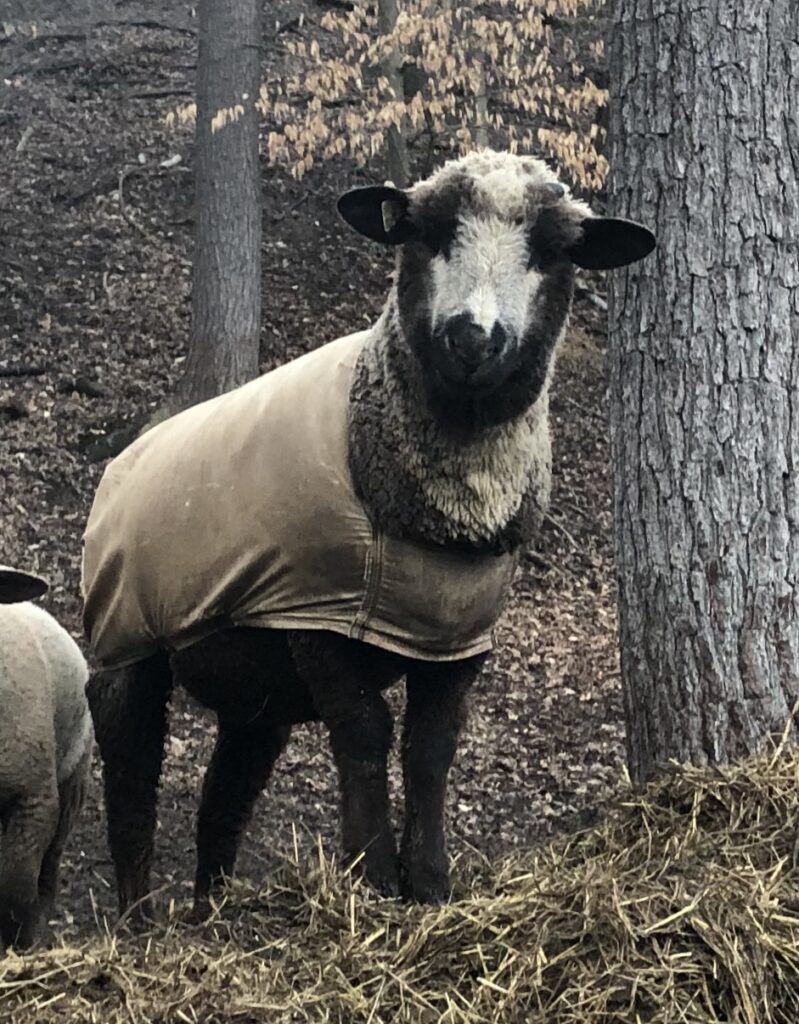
95	243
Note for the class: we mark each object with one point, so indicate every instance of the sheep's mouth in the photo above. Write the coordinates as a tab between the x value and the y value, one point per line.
484	379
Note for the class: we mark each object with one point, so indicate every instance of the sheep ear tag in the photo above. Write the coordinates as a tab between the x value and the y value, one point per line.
19	586
378	212
392	215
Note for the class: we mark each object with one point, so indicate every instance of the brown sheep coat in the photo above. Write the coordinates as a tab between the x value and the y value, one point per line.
242	511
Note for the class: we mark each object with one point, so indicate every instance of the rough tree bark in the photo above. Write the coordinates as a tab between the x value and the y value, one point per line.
397	148
705	374
481	111
226	280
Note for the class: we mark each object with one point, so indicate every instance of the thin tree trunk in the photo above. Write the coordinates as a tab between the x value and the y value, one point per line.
705	374
397	163
226	281
481	106
481	111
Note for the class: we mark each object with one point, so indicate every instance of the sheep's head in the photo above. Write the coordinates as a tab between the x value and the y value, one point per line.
488	247
19	586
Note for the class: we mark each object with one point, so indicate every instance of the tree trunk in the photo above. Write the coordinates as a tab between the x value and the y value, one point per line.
226	280
480	133
481	112
705	374
397	149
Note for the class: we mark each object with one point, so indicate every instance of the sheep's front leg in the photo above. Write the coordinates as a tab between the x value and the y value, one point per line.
361	739
344	680
433	718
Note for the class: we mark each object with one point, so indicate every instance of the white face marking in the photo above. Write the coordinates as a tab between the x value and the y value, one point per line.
486	275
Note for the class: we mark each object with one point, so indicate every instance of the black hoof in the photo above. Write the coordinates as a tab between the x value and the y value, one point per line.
387	886
381	873
426	883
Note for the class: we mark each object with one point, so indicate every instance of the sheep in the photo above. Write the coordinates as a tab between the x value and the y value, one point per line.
289	550
45	754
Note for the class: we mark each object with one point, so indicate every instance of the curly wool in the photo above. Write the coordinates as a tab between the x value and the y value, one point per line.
487	491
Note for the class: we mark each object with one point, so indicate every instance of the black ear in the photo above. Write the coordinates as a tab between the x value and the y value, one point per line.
610	242
19	586
379	213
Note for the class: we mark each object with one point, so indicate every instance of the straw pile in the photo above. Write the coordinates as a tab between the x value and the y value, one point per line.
683	906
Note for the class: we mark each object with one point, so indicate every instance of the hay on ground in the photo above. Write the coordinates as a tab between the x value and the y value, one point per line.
682	906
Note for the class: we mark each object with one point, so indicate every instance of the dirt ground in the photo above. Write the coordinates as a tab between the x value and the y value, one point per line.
95	242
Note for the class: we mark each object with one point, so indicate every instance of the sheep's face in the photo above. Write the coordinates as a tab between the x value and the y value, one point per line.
485	274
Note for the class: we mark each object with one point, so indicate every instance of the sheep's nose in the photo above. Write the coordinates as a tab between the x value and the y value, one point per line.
470	344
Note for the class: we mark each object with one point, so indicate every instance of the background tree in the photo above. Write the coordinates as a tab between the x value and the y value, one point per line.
705	374
489	71
226	278
396	145
471	73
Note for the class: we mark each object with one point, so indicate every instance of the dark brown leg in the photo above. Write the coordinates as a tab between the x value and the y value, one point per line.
344	679
241	764
360	747
433	719
129	708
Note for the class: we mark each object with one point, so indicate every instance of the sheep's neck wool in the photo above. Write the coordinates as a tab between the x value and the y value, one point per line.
241	511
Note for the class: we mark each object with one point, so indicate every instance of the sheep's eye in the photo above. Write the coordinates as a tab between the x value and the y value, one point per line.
438	236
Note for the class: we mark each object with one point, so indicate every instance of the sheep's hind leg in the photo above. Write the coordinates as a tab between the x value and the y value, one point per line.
242	762
71	797
344	684
433	718
129	708
27	829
